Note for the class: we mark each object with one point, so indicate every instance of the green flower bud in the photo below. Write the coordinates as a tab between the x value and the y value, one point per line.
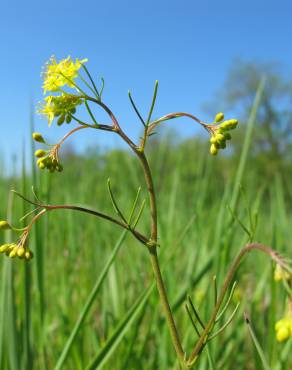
40	153
4	247
41	165
229	125
213	149
13	253
28	255
219	117
68	118
4	225
233	123
20	251
219	138
38	137
61	120
213	139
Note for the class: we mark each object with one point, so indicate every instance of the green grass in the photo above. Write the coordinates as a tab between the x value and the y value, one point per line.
85	301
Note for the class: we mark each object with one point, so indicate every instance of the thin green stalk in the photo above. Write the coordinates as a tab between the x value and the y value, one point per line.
155	262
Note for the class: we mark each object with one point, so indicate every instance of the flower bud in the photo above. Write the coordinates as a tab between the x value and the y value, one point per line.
28	255
220	137
13	253
38	137
20	251
68	118
219	117
283	333
61	120
213	139
4	225
4	247
40	153
213	149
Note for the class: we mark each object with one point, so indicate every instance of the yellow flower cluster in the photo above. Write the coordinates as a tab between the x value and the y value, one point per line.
281	274
220	134
16	250
283	329
48	160
59	74
62	106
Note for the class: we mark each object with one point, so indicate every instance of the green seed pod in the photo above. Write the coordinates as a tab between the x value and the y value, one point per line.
4	247
20	251
38	137
4	225
40	153
219	117
213	149
68	118
61	120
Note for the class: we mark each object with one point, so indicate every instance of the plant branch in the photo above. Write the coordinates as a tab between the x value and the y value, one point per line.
204	336
47	207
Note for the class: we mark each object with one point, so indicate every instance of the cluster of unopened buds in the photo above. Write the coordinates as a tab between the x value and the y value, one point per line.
18	249
219	132
47	159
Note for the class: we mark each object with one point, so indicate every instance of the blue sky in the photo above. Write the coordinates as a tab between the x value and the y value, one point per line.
187	45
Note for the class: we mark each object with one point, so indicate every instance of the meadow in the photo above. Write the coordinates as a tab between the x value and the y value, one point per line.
87	299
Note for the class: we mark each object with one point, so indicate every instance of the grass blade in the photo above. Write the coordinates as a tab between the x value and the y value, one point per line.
103	355
89	303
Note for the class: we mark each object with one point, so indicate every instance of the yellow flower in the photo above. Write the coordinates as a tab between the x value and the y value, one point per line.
60	74
283	329
281	274
55	106
47	109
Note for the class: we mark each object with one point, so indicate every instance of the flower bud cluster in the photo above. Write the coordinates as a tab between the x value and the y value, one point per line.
48	160
219	132
16	250
62	107
283	329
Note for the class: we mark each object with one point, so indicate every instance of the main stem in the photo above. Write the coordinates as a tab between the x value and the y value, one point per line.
153	239
155	262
